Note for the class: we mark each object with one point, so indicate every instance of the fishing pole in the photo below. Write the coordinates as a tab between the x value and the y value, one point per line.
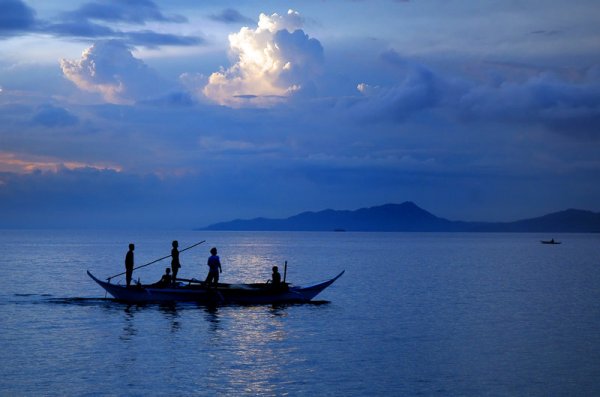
154	261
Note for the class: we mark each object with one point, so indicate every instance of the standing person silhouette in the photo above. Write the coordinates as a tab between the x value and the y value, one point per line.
175	265
129	264
214	268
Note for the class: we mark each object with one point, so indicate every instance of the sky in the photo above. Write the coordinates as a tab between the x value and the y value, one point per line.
178	114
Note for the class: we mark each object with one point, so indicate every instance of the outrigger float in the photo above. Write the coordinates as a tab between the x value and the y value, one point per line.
196	291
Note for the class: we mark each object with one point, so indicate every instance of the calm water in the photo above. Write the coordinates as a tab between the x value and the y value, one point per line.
415	314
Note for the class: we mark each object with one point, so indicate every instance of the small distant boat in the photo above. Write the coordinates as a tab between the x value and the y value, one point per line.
197	291
549	241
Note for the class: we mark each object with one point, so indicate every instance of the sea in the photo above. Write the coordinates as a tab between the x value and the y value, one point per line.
415	314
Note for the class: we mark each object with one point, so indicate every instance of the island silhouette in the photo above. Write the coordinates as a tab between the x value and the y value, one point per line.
409	217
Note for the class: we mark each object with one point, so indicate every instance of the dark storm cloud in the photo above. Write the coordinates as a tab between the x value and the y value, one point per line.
81	28
562	102
231	16
174	99
89	21
130	11
570	107
15	17
146	38
149	38
420	91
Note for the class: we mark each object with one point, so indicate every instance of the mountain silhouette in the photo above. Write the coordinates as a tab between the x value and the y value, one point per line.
408	217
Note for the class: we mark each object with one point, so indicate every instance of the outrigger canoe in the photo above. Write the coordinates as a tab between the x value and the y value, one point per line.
197	291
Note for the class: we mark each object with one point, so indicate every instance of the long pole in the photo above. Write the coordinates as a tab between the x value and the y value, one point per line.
284	272
154	261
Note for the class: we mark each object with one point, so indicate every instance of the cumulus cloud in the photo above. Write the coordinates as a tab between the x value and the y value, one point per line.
420	90
110	69
273	61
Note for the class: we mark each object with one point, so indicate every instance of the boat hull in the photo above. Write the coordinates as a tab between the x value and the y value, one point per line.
223	294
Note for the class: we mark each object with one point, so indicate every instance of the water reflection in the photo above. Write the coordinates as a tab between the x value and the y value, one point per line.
258	349
212	316
129	329
279	310
170	312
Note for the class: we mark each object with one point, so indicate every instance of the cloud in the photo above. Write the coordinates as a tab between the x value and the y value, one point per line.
229	15
71	197
419	91
131	11
15	17
98	198
560	104
566	101
80	28
26	163
109	68
274	61
52	116
146	38
91	20
151	39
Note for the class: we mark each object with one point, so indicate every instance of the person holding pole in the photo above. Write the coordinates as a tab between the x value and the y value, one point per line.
175	265
214	266
131	248
129	264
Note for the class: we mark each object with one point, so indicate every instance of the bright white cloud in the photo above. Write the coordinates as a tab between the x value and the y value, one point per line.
273	61
109	69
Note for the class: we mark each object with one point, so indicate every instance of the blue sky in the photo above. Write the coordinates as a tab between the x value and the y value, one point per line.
178	114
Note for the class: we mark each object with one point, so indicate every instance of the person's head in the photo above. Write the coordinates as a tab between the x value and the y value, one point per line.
175	244
275	269
167	270
213	251
131	247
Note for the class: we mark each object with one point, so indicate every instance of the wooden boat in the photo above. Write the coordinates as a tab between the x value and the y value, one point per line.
197	291
549	242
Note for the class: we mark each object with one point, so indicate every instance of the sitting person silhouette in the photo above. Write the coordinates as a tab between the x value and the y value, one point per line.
276	277
165	280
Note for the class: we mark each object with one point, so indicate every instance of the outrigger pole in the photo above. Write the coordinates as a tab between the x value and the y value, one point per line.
154	261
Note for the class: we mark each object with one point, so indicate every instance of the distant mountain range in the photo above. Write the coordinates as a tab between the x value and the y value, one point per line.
408	217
